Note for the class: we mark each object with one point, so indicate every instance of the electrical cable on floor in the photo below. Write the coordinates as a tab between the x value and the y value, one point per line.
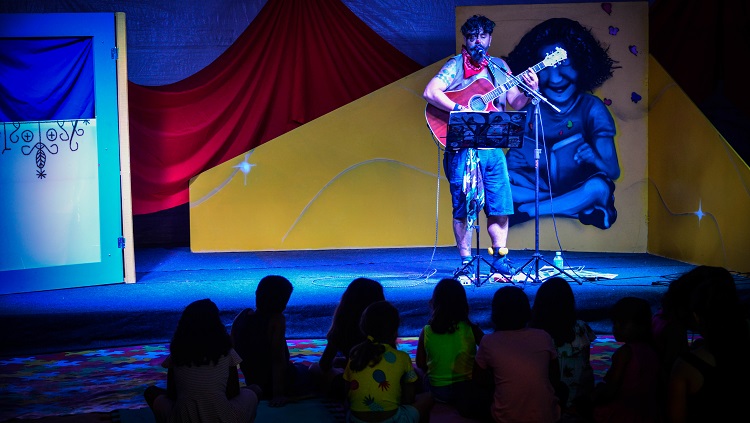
428	271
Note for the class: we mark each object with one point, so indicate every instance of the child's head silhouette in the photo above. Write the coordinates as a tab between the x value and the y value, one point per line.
272	294
631	320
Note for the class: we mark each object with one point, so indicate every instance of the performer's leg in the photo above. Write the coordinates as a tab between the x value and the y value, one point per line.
463	238
453	162
498	205
462	232
497	227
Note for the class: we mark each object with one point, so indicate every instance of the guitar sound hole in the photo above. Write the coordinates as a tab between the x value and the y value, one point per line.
476	103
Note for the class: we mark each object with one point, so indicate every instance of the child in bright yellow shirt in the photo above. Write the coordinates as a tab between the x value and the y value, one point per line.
381	381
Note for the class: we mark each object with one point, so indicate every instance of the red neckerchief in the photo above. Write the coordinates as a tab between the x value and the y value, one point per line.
470	67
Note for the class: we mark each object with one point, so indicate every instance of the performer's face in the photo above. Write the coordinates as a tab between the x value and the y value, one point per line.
474	40
558	83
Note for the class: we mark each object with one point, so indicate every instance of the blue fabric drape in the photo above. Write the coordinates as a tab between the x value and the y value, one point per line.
46	79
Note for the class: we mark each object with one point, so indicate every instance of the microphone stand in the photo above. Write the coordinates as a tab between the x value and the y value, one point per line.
537	256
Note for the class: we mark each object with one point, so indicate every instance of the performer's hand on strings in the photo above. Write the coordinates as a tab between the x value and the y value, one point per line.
531	79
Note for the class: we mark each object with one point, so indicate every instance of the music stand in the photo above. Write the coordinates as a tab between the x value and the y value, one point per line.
483	130
537	256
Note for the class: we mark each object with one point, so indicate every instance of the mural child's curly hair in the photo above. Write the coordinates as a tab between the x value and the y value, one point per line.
586	53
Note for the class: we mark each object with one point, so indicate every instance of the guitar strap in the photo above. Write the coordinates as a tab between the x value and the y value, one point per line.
495	79
492	72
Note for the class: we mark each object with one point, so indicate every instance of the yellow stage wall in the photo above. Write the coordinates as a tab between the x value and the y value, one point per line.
698	197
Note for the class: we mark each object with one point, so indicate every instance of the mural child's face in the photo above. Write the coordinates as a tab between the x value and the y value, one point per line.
559	84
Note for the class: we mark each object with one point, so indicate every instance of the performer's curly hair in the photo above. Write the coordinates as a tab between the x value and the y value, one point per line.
590	59
477	22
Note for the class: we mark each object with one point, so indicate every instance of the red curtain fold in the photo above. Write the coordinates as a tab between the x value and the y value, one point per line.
296	61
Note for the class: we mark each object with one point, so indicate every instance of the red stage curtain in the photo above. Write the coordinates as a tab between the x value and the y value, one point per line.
296	61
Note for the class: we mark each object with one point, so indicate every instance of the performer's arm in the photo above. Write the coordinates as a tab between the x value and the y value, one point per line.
434	92
515	97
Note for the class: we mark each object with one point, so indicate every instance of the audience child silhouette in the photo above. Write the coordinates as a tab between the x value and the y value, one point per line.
710	382
448	343
554	310
344	332
259	336
629	391
520	362
673	325
381	380
202	377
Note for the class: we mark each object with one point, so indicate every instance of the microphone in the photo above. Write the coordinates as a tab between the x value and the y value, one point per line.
479	54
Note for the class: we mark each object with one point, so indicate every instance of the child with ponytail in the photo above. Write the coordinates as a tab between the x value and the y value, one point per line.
381	381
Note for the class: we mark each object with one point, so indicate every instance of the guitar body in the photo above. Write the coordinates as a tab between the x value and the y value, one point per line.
470	96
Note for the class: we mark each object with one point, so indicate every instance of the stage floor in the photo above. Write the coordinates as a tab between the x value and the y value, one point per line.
167	279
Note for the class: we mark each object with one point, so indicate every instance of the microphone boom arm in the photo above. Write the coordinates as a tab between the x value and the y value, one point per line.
537	96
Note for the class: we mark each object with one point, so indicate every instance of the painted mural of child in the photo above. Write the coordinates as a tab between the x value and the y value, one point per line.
579	162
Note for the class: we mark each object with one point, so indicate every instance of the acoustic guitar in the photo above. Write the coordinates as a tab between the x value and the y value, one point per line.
479	95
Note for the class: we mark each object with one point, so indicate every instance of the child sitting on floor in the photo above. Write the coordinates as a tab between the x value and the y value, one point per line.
202	378
448	343
381	381
629	392
709	383
259	337
554	310
344	334
519	362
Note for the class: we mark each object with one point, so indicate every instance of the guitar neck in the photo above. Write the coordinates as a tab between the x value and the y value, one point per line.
510	83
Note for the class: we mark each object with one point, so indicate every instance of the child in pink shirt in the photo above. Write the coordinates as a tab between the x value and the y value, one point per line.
520	361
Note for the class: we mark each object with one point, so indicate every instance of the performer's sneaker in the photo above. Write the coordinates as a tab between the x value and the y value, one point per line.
464	276
503	266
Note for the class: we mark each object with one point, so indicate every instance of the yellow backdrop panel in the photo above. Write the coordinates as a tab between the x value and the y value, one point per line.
698	201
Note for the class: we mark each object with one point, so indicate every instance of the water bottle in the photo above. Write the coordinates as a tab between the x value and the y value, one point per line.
558	260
